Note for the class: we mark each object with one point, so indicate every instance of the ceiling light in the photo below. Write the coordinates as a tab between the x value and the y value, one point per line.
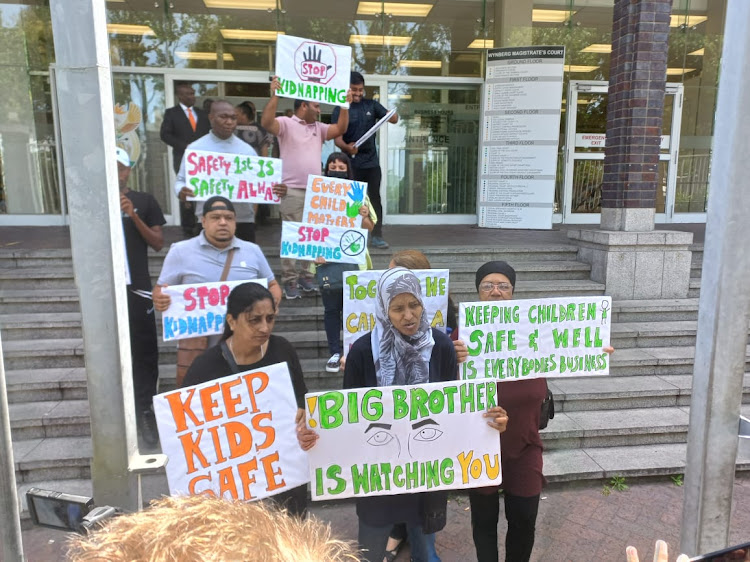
250	34
399	96
598	48
579	68
551	16
482	44
690	21
678	71
241	4
381	40
421	63
393	9
129	29
203	55
699	53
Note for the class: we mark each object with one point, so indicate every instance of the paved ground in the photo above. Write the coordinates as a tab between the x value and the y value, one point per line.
50	237
576	523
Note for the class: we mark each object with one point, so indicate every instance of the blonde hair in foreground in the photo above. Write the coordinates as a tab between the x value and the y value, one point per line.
211	529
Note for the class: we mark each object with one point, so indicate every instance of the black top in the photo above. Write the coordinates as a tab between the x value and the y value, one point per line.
212	365
380	511
362	116
177	132
146	207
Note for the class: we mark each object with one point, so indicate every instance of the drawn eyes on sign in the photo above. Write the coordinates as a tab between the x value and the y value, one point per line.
428	434
380	438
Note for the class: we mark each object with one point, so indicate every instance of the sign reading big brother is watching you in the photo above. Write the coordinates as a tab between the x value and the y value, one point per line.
313	71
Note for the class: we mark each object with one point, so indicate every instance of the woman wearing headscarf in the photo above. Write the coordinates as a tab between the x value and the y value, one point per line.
521	457
402	349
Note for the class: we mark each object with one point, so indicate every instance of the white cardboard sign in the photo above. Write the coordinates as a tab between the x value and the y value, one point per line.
527	339
312	70
303	241
403	439
233	437
198	309
334	201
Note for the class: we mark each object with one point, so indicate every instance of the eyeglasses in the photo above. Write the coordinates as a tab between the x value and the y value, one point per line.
487	287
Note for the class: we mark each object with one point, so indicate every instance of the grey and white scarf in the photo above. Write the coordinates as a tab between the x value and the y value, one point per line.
400	360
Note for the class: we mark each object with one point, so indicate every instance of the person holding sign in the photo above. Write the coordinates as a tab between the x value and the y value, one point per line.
221	138
301	139
248	345
338	165
363	114
206	258
521	446
401	350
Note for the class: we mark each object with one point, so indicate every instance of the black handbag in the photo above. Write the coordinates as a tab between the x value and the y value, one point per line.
330	276
548	410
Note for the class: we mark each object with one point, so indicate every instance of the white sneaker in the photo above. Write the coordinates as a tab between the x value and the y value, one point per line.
333	363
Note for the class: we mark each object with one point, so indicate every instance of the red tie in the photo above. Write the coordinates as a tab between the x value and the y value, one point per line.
192	119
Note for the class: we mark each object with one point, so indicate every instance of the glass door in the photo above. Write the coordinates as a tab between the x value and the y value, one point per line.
585	141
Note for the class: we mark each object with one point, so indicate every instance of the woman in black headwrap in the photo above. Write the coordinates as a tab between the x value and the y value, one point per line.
402	349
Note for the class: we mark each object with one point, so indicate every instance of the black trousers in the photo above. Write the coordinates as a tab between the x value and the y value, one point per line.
372	177
246	231
520	513
188	220
144	351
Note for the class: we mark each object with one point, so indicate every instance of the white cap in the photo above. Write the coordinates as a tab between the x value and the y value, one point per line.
123	157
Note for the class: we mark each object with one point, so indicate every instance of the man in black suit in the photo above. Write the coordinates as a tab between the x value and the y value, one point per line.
183	124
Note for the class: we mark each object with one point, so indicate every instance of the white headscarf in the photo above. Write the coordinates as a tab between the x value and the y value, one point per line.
399	359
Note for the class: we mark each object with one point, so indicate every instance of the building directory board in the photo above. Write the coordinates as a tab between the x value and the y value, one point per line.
519	137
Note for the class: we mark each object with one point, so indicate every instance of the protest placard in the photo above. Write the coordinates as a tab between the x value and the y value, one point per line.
334	201
198	309
313	71
360	290
232	437
529	339
303	241
238	177
403	439
374	129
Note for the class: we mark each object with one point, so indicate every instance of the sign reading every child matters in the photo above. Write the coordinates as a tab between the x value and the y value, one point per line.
403	439
313	71
529	339
233	437
334	201
360	290
238	177
198	309
303	241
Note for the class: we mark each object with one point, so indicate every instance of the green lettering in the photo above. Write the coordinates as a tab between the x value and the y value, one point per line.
330	405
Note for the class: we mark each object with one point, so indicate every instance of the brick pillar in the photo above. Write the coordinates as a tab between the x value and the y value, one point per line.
638	67
626	254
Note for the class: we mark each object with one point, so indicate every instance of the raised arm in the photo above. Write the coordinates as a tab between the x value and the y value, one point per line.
268	117
339	128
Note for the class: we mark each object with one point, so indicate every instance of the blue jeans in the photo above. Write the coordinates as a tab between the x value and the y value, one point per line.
333	306
374	540
432	555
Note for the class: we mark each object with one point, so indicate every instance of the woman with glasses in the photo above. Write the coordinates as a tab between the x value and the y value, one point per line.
521	446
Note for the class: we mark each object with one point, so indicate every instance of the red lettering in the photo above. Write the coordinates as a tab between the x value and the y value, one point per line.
213	296
202	294
191	160
224	290
188	296
242	190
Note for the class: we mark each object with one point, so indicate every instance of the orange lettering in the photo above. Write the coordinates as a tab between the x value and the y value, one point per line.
226	482
192	449
263	377
239	437
244	470
270	432
208	403
180	409
206	491
267	463
316	185
214	431
231	402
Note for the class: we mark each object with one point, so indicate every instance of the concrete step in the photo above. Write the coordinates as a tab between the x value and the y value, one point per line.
39	420
50	459
20	301
654	334
655	310
620	392
694	289
41	385
61	277
597	463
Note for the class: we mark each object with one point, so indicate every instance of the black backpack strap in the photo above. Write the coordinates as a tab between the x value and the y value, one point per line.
228	357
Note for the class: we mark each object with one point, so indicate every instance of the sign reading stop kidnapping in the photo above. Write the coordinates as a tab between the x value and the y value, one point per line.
529	339
233	437
313	71
198	309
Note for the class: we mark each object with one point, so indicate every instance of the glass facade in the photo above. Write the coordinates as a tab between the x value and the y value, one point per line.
424	57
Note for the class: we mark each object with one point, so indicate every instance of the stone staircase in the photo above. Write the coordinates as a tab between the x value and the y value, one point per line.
632	423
